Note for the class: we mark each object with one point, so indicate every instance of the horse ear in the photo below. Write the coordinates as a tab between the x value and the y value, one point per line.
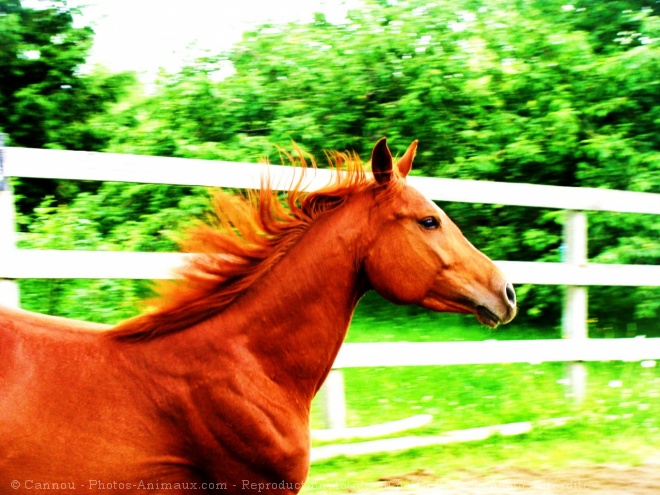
404	165
381	162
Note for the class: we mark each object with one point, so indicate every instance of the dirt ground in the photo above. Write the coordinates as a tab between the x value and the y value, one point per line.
599	479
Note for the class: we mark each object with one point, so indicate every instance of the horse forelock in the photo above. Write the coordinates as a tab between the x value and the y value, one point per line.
244	236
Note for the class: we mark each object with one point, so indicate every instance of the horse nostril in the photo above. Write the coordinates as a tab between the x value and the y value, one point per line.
510	295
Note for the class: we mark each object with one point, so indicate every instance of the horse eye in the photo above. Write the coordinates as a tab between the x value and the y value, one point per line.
429	223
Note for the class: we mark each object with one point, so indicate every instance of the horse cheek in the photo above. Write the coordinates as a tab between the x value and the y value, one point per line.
394	279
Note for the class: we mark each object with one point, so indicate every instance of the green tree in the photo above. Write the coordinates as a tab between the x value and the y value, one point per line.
511	90
46	100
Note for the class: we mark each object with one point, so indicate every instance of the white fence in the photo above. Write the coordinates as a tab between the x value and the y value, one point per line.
576	273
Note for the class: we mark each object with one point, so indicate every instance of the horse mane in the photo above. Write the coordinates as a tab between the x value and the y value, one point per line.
244	236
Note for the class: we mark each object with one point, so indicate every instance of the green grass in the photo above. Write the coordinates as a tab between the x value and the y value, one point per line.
461	397
619	421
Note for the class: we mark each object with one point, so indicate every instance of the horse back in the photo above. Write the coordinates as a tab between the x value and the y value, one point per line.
18	320
24	334
68	409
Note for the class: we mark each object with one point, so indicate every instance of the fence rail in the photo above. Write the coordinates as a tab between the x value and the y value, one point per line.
387	354
576	273
80	165
30	263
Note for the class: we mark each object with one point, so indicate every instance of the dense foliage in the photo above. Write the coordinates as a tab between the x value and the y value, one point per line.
46	101
537	91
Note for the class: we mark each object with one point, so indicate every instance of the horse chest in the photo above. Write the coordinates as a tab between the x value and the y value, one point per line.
250	432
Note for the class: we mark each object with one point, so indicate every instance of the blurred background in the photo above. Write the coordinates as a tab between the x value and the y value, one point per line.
535	91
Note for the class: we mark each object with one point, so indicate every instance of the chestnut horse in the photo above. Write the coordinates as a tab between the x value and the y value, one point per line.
210	389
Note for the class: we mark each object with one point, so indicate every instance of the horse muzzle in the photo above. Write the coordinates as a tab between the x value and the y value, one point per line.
501	312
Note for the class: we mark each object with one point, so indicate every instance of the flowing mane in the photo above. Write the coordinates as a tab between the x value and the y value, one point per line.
245	235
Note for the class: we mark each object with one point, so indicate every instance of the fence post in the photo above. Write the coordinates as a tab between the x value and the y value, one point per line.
575	313
8	288
333	401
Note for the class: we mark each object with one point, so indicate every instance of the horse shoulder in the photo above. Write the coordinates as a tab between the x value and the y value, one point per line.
250	422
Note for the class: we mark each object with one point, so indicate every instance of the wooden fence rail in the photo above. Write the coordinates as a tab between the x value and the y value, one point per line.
575	273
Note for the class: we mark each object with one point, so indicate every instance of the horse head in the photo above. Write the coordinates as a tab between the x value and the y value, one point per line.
419	256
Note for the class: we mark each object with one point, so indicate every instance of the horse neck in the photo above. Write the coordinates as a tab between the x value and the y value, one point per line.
291	323
301	311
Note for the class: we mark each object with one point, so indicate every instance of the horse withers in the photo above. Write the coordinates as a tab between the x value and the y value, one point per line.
211	388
